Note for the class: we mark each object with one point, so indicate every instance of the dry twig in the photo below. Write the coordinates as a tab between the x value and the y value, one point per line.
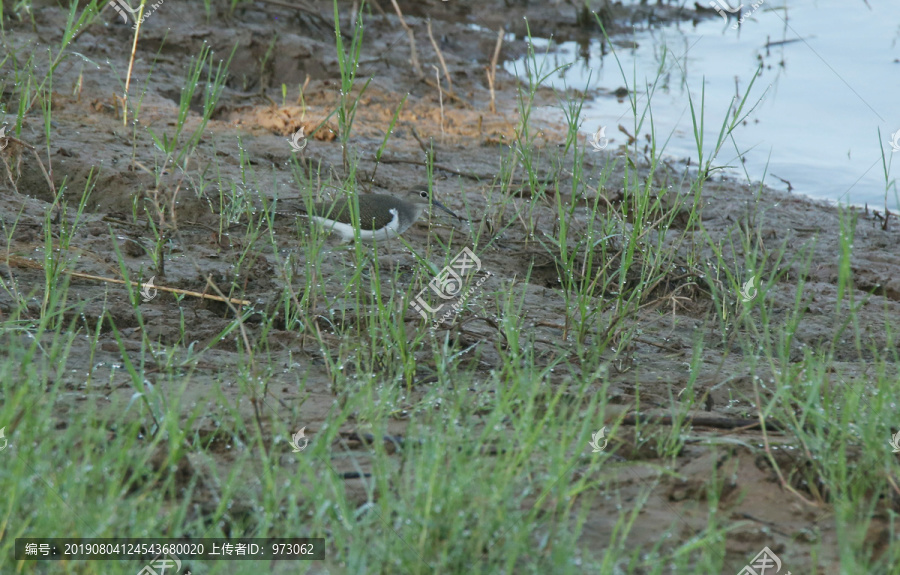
437	77
492	73
137	31
440	56
412	40
36	156
17	261
784	484
162	288
450	94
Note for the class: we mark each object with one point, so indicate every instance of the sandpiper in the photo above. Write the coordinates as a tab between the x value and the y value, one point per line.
381	216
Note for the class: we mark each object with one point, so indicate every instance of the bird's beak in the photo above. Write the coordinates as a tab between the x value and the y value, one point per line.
443	207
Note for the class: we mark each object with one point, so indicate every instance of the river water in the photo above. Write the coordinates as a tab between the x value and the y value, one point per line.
829	80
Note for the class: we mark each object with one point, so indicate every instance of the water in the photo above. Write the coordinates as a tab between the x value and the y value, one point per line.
830	80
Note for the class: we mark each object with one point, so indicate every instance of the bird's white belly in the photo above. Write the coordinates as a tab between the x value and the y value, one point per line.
391	230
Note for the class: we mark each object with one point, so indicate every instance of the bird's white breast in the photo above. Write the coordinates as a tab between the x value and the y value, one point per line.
392	229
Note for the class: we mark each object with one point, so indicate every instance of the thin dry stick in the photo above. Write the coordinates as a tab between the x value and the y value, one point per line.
492	75
137	31
239	318
20	262
440	56
44	170
893	484
161	288
9	174
412	40
437	75
301	100
36	157
772	462
451	95
418	139
490	79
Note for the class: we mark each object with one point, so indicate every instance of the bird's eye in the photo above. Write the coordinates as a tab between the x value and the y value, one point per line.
423	194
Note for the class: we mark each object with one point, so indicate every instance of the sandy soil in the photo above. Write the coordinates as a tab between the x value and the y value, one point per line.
469	142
